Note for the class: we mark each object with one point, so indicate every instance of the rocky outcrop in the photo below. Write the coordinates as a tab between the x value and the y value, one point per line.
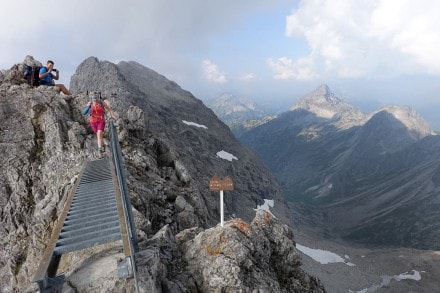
240	257
170	142
40	134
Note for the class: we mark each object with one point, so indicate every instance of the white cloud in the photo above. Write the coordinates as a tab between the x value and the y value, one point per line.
212	72
411	31
285	68
369	38
163	35
247	77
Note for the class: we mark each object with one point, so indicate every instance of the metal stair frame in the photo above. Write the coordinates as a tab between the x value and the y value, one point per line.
45	275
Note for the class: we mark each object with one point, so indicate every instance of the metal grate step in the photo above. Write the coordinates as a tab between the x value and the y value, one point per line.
96	223
86	244
93	217
91	228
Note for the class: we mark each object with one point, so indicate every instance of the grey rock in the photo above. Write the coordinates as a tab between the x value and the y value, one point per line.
135	117
260	257
38	162
45	141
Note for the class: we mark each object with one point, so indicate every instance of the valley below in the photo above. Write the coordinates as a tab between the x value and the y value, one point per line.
365	270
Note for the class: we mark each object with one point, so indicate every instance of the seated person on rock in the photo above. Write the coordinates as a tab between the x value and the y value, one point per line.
47	77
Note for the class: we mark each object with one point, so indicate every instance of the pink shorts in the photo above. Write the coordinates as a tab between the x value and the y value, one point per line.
97	126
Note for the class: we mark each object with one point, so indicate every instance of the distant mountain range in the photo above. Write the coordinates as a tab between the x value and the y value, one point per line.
371	178
240	114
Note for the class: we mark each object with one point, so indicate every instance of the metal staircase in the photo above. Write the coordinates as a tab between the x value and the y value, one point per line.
93	215
97	211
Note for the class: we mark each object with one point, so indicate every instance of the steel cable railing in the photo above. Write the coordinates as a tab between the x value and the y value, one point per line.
122	182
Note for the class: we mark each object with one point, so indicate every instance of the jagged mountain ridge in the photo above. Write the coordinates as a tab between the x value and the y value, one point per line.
412	120
354	176
169	164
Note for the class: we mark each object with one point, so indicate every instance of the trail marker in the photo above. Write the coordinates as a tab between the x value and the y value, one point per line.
217	184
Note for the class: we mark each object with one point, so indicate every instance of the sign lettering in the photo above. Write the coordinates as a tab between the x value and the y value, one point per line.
217	184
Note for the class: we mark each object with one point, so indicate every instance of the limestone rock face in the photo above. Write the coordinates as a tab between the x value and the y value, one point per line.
244	258
43	142
170	142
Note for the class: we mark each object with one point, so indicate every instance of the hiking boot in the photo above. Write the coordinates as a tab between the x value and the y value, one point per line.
100	150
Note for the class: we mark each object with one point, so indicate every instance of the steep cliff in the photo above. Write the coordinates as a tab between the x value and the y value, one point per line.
172	146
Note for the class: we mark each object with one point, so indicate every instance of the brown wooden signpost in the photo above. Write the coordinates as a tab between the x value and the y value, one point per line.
217	184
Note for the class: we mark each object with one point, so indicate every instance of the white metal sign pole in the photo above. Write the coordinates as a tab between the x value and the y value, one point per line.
221	208
217	184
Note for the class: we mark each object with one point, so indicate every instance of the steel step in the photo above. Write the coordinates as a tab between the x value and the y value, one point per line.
91	208
80	225
93	199
96	234
81	215
87	229
86	244
93	217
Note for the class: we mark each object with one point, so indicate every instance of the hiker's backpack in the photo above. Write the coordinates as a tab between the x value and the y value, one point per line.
31	74
95	114
88	109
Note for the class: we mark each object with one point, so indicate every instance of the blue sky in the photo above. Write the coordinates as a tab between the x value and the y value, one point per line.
370	52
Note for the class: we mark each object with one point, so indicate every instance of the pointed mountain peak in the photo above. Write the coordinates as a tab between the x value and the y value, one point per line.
323	103
322	90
